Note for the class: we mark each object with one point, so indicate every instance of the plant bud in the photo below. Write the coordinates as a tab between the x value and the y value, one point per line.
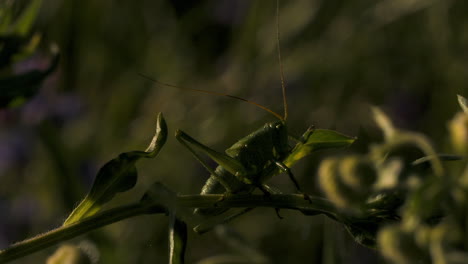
458	127
69	254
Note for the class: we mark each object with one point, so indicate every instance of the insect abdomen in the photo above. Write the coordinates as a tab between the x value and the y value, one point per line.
212	186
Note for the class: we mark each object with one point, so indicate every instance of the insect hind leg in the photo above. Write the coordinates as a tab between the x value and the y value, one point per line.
183	138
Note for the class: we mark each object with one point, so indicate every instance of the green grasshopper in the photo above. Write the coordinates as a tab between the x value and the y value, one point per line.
249	162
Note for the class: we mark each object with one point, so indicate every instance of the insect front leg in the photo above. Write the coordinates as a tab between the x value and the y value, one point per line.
285	169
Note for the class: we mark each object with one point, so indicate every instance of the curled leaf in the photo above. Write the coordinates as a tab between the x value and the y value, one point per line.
118	175
347	181
395	138
400	246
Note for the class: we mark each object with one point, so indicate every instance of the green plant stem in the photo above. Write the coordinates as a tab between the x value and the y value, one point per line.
312	206
63	233
285	201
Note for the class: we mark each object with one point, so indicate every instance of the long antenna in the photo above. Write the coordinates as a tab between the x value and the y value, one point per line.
214	93
283	86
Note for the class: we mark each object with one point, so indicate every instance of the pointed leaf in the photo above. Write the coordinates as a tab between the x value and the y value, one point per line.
118	175
318	139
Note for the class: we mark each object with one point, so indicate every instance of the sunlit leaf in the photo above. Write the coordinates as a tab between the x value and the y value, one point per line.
318	139
118	175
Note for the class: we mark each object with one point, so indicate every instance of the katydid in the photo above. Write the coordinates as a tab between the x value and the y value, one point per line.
249	162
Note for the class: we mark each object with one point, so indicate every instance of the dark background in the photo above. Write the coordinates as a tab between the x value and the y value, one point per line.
339	57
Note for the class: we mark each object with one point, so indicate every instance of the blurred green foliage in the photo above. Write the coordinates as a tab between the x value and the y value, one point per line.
339	56
16	44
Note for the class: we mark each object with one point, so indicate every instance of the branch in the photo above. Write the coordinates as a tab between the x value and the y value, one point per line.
312	206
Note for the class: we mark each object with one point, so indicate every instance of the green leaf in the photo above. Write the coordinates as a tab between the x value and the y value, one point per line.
5	18
118	175
318	139
463	103
177	240
23	24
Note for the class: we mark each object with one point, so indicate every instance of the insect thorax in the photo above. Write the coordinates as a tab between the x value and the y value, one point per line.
256	150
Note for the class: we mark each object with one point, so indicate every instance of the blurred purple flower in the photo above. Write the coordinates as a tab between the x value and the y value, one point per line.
230	12
60	108
13	151
35	62
408	108
88	170
23	213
